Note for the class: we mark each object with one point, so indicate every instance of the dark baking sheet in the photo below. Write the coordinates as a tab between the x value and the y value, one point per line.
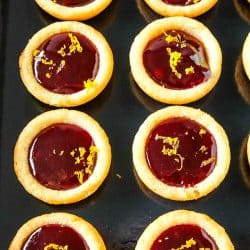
122	208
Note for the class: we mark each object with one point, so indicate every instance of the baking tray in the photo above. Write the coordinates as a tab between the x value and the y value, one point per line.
123	207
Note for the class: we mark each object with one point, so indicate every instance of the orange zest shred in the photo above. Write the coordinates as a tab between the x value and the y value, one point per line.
72	153
79	155
188	244
75	45
203	149
53	246
81	152
174	143
208	161
61	51
189	70
61	66
48	75
73	48
202	131
79	175
89	84
170	39
175	58
93	150
175	39
36	52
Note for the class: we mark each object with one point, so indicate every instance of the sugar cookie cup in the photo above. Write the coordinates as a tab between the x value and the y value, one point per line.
62	78
181	153
246	56
161	83
182	220
63	224
62	156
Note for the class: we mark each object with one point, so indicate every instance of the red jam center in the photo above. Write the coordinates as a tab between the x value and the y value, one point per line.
51	237
72	3
176	60
184	236
66	63
181	2
62	156
180	152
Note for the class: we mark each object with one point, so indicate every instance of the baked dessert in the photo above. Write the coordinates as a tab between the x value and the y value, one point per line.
176	60
183	229
62	156
66	64
181	153
242	80
246	56
244	161
57	231
242	7
189	8
77	10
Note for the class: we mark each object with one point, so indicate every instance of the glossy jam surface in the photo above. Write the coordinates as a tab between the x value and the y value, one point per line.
72	3
181	2
180	152
65	63
176	60
62	156
55	237
185	236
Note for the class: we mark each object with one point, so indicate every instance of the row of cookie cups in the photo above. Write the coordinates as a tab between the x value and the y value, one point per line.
63	231
28	146
30	60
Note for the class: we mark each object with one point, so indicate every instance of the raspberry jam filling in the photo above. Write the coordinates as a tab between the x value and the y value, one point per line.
55	237
181	2
62	156
176	60
66	63
180	152
72	3
185	236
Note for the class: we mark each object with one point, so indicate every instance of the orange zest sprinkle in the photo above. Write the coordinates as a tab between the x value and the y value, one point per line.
53	246
188	244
